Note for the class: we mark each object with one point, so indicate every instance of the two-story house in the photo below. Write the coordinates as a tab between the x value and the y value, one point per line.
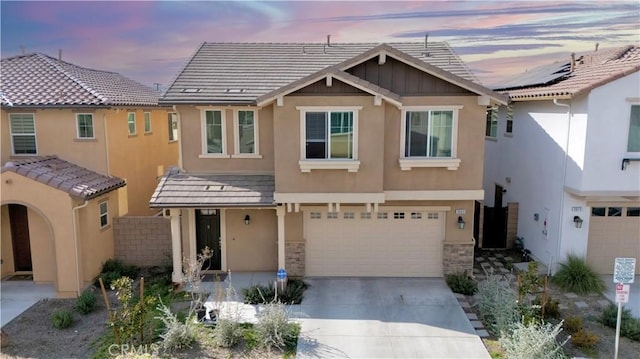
327	159
566	150
104	130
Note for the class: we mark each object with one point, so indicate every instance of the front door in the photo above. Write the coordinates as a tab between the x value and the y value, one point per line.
208	235
20	238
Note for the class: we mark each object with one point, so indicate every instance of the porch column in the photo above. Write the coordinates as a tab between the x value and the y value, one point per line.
280	212
176	246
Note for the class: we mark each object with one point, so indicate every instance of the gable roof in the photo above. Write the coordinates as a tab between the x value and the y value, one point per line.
39	80
77	181
557	81
227	73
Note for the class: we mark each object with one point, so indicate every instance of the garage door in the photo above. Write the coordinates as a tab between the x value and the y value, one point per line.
613	232
398	242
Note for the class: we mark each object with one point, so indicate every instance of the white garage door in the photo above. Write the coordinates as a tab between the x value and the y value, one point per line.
613	232
399	242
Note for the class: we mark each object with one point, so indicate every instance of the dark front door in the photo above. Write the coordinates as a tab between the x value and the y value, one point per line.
208	235
20	237
495	222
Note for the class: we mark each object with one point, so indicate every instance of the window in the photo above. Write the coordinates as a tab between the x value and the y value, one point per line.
598	211
492	121
365	215
104	214
246	132
614	212
23	134
213	132
416	215
131	121
398	215
316	215
509	129
85	125
332	215
432	216
329	135
349	215
633	212
428	133
383	215
172	121
633	144
147	122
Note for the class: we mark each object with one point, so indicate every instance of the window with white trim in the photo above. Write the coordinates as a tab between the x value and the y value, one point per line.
329	135
398	215
509	128
383	215
214	132
23	133
131	122
365	215
633	143
147	122
172	122
332	215
315	215
349	215
84	122
104	214
491	129
246	132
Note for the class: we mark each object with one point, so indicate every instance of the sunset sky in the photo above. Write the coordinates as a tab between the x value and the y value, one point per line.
149	41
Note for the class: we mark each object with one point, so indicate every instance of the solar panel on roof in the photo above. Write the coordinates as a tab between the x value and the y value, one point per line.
541	75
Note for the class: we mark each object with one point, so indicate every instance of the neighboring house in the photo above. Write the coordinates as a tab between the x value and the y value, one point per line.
327	159
99	121
567	151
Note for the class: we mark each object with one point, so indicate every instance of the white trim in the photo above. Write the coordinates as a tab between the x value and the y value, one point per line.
246	156
318	164
328	108
135	125
223	239
144	125
280	214
35	136
236	134
329	80
436	195
407	163
329	197
432	108
307	165
203	133
93	127
451	163
381	208
626	147
106	213
193	243
382	58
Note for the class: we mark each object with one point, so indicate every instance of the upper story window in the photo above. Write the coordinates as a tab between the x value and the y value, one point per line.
492	122
104	214
246	134
329	138
84	123
172	121
23	133
633	144
214	133
131	122
147	122
509	129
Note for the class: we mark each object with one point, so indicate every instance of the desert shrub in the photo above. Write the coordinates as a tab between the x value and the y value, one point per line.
86	302
533	341
551	306
262	294
584	339
631	329
176	334
461	283
609	316
227	333
274	330
576	276
573	324
61	319
497	302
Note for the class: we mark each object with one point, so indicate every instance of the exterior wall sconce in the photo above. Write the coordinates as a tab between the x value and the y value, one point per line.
460	222
247	219
577	221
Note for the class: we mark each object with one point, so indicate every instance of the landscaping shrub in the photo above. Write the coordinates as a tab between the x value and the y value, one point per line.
631	329
629	326
113	269
573	324
274	330
461	283
498	304
533	341
227	333
576	276
61	319
551	306
261	294
584	339
176	334
86	302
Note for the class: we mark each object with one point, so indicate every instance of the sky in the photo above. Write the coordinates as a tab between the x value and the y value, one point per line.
150	41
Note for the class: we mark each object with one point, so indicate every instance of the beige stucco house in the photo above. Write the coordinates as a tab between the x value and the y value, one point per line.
96	121
327	159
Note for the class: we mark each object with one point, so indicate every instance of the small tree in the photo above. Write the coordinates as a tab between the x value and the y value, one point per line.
193	276
128	320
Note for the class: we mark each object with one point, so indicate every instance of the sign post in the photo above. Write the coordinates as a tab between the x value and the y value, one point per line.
623	274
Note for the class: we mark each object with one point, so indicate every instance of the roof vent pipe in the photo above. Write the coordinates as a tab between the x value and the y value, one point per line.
573	61
328	40
426	40
597	44
59	54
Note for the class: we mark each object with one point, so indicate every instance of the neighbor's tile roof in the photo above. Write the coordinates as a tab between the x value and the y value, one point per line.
591	70
79	182
178	189
38	80
242	72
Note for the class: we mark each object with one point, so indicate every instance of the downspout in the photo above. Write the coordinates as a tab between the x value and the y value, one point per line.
564	178
75	241
175	109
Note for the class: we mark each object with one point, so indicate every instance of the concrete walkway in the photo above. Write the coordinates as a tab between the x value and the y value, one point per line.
18	296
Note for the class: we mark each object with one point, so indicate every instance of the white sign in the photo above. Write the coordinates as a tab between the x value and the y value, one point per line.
624	270
622	293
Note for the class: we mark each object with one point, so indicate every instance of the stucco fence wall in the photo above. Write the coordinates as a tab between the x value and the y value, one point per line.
144	241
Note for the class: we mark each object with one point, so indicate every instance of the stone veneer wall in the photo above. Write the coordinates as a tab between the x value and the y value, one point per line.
512	223
295	258
458	258
144	241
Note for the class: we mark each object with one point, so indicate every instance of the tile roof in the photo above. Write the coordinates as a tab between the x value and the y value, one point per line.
38	80
242	72
78	182
591	70
178	189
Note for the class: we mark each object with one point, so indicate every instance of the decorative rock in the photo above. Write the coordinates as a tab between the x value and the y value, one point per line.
571	295
482	333
581	305
604	303
459	295
477	324
472	316
464	304
563	307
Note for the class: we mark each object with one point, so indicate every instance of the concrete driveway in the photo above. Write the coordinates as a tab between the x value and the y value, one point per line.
385	318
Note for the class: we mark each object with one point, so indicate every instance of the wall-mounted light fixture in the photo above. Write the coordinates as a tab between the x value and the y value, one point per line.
536	217
577	221
247	219
460	222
